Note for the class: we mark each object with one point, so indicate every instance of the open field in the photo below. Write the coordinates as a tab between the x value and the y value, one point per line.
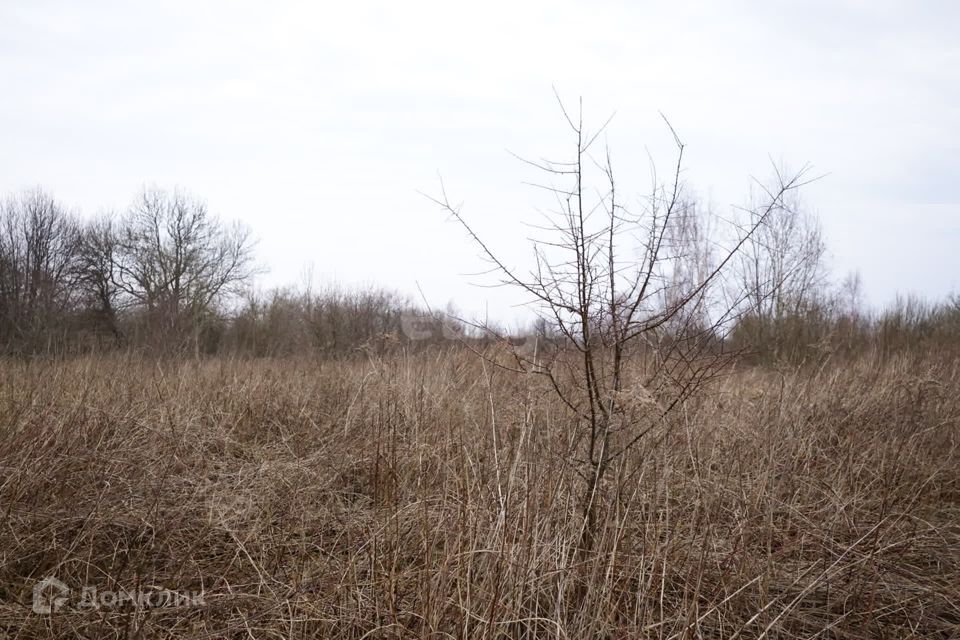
427	496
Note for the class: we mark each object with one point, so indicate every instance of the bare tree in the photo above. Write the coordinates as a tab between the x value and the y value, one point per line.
97	260
177	262
782	273
38	238
632	292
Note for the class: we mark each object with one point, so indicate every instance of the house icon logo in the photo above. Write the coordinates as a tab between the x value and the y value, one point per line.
49	595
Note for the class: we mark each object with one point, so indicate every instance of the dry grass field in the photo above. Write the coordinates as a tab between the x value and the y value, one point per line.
430	496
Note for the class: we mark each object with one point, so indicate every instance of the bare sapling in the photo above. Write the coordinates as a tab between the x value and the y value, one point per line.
632	290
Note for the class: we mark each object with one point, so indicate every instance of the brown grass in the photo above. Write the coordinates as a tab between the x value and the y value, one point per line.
427	496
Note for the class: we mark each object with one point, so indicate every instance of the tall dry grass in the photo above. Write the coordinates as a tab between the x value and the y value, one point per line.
428	496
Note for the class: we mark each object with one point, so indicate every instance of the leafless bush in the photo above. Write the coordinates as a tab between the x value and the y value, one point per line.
633	292
330	321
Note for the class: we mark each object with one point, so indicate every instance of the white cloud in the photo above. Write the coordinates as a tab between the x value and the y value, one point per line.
317	122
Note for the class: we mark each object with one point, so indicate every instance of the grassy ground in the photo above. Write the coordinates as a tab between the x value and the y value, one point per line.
428	496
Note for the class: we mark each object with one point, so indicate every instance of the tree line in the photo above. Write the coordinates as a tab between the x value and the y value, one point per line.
167	275
155	274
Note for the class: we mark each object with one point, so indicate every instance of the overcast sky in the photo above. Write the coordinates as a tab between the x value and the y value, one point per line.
317	123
